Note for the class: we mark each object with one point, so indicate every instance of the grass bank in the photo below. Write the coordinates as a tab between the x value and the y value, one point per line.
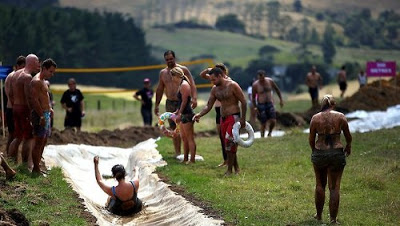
43	200
276	184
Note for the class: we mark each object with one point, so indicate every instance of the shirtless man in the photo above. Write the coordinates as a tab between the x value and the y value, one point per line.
262	90
41	111
342	81
9	117
217	106
229	94
20	99
328	154
171	90
314	82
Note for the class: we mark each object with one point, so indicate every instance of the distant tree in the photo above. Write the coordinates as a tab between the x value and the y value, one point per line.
273	9
267	50
293	35
327	45
319	16
314	37
298	7
295	75
231	23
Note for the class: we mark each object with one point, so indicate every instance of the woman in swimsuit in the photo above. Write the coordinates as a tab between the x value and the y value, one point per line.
328	154
122	198
185	114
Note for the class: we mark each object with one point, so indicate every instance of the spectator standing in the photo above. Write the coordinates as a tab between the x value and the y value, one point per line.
72	102
145	98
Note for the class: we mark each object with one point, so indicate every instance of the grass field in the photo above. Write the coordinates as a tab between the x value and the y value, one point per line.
276	184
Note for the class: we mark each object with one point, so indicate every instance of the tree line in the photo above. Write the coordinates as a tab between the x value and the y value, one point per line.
76	39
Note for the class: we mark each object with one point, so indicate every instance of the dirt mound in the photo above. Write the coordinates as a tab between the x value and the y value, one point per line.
378	95
12	217
117	138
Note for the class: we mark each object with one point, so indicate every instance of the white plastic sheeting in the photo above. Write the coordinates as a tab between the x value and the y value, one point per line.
374	120
364	121
163	207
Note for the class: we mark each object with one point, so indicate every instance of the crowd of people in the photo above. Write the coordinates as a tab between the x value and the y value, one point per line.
30	112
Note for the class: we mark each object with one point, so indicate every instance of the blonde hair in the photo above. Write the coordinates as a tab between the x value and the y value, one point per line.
327	102
178	71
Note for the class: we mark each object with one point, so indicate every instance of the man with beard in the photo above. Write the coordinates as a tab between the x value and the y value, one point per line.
229	93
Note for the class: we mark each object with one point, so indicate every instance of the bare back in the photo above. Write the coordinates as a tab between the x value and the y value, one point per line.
328	125
19	86
228	97
263	89
39	90
7	87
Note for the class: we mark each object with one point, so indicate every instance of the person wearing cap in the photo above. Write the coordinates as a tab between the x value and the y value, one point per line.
146	94
122	198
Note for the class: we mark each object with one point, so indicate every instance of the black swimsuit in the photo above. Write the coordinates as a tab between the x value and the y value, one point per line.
124	208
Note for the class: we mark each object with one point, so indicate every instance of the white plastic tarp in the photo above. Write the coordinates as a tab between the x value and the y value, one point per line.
163	207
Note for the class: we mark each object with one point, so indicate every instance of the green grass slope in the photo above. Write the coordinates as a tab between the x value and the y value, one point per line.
238	50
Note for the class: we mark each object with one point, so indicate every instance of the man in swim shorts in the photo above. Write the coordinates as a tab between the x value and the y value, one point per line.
229	93
9	116
20	98
171	89
314	83
262	98
41	111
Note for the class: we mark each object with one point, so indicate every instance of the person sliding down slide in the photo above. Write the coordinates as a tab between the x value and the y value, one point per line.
122	198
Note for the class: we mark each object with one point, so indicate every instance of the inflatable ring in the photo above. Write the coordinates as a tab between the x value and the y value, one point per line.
236	136
161	121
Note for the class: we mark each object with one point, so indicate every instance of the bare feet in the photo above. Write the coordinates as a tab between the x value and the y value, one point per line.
237	172
190	162
227	174
318	218
269	135
334	222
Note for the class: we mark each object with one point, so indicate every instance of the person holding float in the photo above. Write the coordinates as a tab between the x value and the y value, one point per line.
229	93
184	114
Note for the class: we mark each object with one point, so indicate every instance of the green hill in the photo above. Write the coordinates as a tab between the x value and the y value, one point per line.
238	50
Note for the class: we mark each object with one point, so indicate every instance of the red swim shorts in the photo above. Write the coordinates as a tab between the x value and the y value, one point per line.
226	132
22	123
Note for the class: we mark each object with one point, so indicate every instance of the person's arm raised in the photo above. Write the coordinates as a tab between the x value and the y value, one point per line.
99	179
